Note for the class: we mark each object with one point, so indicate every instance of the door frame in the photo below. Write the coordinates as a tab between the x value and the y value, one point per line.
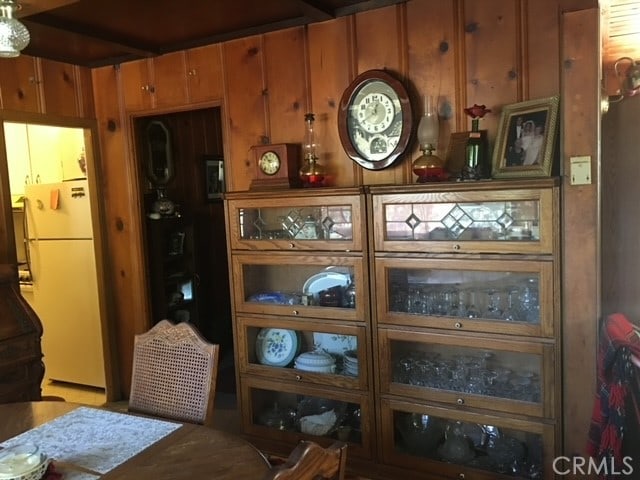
8	253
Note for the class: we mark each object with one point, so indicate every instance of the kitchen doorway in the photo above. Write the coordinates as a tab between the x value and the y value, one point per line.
57	223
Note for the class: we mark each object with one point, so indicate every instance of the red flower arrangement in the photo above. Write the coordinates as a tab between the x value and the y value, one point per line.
477	111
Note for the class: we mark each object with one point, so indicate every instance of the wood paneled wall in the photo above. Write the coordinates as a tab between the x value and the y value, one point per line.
493	52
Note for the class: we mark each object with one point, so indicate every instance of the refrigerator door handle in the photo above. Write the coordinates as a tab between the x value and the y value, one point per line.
25	238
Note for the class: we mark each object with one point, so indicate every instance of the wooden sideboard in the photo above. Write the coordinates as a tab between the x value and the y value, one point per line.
21	367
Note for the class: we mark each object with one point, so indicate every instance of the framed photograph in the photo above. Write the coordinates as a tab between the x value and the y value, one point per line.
214	175
526	139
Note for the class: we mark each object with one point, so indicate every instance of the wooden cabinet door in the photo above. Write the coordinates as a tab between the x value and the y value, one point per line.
59	87
17	146
19	84
204	73
44	151
137	85
169	80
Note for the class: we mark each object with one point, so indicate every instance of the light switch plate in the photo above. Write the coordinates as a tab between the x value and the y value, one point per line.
580	170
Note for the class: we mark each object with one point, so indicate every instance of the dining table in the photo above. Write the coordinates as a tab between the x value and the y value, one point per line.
88	443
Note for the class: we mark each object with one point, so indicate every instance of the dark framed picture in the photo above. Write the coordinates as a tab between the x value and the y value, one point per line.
526	139
214	175
176	243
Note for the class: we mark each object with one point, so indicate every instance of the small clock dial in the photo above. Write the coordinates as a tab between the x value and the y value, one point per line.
269	163
375	112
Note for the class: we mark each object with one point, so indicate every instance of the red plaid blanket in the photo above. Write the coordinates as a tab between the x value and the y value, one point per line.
618	341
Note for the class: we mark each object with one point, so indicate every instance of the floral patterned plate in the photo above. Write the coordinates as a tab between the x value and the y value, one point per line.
277	347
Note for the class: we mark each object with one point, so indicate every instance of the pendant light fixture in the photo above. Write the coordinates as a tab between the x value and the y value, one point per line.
14	36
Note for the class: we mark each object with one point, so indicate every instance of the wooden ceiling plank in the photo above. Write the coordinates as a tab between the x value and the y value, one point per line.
239	33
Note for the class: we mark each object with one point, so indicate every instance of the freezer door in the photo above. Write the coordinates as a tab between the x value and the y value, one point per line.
65	297
58	210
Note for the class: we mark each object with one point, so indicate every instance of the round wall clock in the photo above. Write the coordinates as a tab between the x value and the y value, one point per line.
375	119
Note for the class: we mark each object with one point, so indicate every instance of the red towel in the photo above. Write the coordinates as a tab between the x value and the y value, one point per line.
618	341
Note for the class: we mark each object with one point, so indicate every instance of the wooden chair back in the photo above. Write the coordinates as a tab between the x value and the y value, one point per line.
174	373
310	461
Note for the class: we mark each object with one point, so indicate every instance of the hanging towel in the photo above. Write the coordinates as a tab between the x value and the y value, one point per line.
615	392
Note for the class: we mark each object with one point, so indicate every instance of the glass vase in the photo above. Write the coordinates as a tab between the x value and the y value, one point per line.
476	165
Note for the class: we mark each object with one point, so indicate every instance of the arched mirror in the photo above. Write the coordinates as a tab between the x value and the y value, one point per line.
159	155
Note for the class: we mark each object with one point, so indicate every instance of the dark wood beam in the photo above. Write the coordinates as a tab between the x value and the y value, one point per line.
90	33
366	5
315	11
32	7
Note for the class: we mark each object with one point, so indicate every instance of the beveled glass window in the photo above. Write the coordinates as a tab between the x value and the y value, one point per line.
325	222
484	221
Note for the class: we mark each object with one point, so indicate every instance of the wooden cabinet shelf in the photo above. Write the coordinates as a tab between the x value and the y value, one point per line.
171	264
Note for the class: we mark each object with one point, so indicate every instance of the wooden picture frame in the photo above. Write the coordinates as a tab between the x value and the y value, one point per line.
526	139
455	156
214	176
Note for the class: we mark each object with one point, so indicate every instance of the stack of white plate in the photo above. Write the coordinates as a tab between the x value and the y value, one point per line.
316	361
350	363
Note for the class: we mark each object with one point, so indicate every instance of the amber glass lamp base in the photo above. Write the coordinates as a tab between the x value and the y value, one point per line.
429	168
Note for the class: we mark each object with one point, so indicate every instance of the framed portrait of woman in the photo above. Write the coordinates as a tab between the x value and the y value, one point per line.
526	139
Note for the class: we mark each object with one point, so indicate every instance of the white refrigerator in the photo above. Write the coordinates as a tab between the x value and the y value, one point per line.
62	261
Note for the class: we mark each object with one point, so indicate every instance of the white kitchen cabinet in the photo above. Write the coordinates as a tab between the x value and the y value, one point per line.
42	154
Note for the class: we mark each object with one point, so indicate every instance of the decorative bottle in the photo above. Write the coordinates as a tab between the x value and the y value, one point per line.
476	164
311	173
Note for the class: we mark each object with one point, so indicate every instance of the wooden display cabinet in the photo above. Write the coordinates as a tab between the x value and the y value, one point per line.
466	321
459	322
300	286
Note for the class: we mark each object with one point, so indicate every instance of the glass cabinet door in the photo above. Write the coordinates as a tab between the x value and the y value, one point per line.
509	221
296	285
458	443
304	352
281	412
297	223
495	374
497	296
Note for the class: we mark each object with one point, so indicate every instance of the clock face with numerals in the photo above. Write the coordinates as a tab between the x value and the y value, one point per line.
269	163
374	112
375	119
276	166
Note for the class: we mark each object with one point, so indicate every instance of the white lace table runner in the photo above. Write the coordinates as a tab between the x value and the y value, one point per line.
97	440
